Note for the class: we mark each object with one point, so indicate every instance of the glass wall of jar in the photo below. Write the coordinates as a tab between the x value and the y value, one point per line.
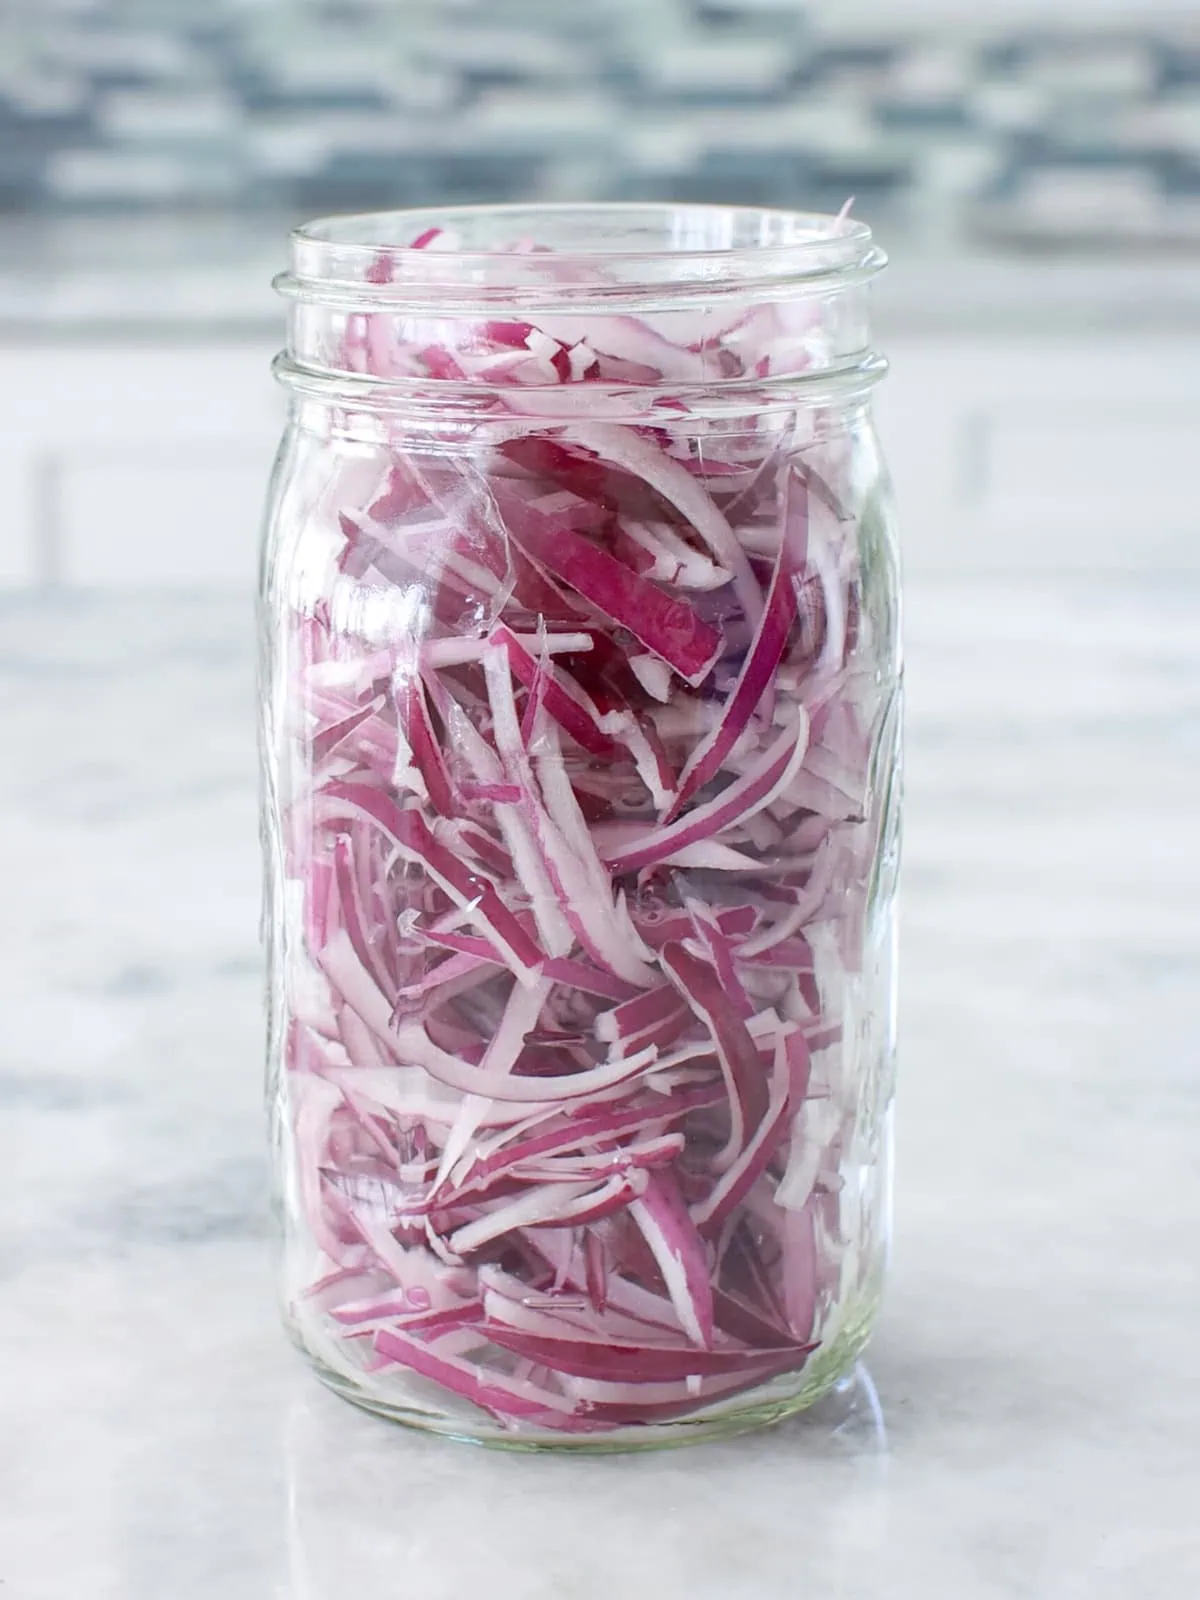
580	740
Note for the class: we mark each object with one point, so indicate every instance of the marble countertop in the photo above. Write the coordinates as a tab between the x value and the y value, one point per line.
1028	1425
92	277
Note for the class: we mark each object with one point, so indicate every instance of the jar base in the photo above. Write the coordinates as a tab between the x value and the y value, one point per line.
770	1404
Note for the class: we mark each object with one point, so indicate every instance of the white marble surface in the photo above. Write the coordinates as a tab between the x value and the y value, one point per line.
1038	1435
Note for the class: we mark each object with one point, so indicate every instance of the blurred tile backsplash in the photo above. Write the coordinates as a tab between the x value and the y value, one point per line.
300	106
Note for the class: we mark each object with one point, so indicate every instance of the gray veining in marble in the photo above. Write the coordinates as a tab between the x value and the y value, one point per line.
1038	1435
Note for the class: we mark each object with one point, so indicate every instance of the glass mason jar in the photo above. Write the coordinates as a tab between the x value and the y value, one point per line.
580	739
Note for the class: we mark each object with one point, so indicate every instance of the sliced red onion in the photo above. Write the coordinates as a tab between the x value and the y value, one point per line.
751	1162
770	640
668	627
581	798
736	1049
663	1220
560	695
503	1396
774	771
642	459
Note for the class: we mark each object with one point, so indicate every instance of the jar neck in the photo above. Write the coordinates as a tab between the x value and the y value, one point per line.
559	310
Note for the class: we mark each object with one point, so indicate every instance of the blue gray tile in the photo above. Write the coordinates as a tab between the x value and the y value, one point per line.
350	103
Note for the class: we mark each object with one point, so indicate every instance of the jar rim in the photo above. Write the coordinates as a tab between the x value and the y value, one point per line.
563	253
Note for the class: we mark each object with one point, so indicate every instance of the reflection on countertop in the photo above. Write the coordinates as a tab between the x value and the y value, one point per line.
1035	1365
